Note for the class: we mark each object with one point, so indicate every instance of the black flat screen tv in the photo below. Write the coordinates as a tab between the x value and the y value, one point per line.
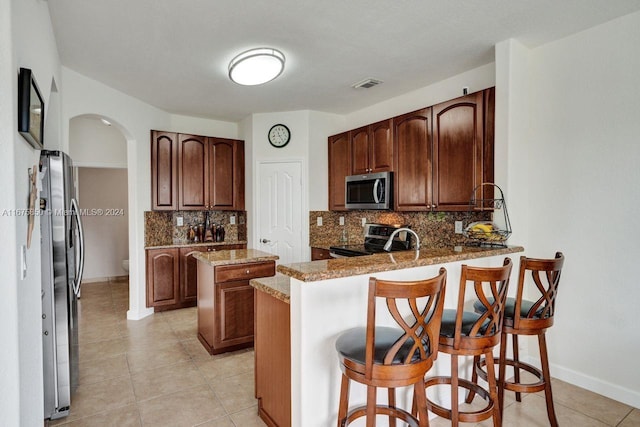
30	109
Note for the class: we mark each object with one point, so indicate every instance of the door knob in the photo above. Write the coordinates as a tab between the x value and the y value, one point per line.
265	241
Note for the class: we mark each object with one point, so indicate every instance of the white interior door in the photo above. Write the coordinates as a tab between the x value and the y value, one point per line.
279	210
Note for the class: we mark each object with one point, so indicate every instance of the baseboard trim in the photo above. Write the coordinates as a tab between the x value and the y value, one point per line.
106	279
596	385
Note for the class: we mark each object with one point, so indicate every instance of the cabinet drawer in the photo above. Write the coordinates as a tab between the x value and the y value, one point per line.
228	273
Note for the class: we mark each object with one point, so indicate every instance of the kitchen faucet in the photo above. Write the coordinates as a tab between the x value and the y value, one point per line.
387	246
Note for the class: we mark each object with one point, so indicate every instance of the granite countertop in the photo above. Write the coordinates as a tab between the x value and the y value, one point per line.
191	244
353	266
278	286
234	256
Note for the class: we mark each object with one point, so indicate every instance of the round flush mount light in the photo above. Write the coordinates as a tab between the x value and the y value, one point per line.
256	66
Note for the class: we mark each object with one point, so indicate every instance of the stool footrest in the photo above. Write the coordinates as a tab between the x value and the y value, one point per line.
398	413
512	385
464	416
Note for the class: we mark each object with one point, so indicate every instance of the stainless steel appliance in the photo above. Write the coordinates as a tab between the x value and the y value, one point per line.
369	191
375	238
62	248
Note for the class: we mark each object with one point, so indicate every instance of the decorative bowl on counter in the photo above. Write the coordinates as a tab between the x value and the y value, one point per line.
486	231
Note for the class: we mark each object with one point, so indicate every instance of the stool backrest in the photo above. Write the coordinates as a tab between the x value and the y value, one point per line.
545	275
490	285
421	328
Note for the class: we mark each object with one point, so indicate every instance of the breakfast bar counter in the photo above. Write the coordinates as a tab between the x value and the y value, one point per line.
327	297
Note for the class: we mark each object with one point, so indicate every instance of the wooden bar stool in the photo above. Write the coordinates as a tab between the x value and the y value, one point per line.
526	317
391	357
465	333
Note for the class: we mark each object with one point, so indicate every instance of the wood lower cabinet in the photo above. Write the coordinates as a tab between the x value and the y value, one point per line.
273	360
320	253
163	276
226	304
172	276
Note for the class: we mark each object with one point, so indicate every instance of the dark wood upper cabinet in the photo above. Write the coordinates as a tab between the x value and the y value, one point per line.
193	172
412	144
372	148
339	168
458	151
164	170
226	159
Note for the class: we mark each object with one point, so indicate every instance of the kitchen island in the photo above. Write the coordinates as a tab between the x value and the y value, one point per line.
328	297
225	299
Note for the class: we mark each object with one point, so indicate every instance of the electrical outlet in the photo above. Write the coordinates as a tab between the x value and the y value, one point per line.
458	227
364	221
341	220
319	221
232	219
179	221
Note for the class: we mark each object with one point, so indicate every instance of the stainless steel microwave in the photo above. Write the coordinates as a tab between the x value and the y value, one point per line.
369	191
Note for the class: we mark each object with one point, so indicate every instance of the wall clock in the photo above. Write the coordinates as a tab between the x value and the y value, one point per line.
279	135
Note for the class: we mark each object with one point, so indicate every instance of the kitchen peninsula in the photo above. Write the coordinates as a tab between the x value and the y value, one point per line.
325	298
225	299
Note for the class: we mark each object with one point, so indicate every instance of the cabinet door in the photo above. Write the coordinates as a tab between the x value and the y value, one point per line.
164	170
360	151
162	277
189	274
193	172
339	168
234	312
458	136
238	178
413	168
222	173
381	146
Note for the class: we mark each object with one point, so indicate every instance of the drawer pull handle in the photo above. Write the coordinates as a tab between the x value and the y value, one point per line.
247	271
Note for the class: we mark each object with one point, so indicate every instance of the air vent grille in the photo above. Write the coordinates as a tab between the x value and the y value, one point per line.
366	83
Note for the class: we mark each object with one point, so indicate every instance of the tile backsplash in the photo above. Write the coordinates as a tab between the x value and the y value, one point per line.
436	229
160	228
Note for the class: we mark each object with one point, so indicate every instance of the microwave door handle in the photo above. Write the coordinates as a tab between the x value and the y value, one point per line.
376	187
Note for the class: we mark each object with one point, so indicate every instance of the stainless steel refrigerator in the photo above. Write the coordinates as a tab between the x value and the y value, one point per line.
62	265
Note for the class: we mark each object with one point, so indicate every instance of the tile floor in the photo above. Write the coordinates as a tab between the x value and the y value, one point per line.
155	372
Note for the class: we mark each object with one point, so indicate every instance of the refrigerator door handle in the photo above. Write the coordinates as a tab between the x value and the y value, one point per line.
80	248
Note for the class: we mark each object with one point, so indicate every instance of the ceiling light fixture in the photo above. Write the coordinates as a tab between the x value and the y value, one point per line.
256	66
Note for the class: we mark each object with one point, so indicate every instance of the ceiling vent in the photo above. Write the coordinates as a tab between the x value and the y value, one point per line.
366	83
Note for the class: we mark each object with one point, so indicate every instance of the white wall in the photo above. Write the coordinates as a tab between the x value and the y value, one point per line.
31	46
581	186
106	235
9	357
94	144
476	79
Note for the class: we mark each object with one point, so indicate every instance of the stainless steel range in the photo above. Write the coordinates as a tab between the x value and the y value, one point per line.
375	237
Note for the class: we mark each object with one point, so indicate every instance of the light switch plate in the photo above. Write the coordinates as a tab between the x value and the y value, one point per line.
319	221
179	221
341	220
458	227
23	262
364	221
232	219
